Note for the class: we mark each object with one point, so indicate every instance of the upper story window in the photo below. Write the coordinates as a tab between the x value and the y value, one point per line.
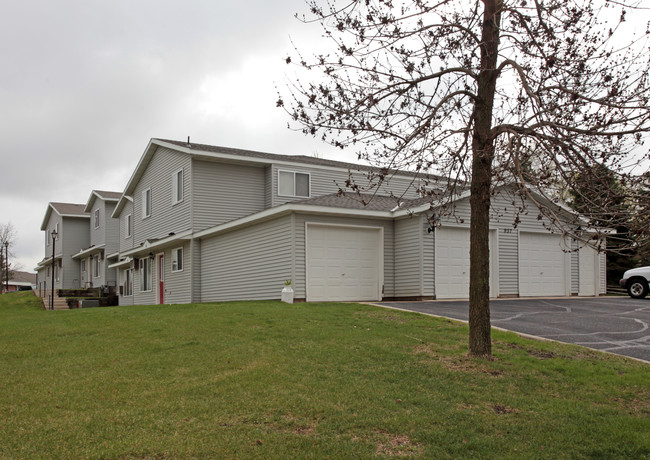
292	183
146	203
96	218
127	226
177	186
47	237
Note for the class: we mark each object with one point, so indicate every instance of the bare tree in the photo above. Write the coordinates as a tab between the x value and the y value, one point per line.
468	89
7	235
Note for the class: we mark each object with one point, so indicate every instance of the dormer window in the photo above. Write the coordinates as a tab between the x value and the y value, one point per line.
292	183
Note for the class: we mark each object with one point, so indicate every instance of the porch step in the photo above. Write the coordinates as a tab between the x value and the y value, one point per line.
59	302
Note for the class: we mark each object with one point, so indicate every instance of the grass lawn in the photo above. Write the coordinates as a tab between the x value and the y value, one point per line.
271	380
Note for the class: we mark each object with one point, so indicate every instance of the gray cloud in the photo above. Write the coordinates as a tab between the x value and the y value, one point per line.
85	84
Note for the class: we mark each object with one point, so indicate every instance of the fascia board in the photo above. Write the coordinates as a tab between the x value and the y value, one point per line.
160	244
48	213
89	251
137	172
120	205
91	200
121	263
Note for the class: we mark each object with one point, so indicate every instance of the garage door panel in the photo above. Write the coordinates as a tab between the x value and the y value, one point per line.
542	265
343	263
452	263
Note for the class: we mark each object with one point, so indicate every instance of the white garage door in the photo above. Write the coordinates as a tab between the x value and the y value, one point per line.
452	263
344	263
589	271
542	265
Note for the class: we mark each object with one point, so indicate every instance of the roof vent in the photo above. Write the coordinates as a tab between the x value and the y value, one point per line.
188	142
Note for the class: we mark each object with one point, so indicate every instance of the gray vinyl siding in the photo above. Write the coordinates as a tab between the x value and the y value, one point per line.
224	192
327	181
107	234
428	258
603	273
146	297
51	225
575	268
409	257
250	263
98	235
195	269
112	243
75	237
299	245
112	229
178	285
268	187
125	242
508	262
165	218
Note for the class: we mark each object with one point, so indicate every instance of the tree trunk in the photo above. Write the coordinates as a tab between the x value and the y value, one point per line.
480	343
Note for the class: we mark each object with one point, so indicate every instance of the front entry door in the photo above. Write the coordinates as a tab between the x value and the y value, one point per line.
161	278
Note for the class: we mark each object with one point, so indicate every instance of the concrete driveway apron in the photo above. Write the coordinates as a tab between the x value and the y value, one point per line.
615	324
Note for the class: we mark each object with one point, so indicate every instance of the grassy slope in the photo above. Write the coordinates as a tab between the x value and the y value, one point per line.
265	379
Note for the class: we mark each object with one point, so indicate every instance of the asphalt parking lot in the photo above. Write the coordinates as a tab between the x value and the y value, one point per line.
614	324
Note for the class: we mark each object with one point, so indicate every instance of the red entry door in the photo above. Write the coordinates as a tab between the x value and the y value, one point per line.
161	278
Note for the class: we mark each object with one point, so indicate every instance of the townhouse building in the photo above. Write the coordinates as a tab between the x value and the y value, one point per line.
94	260
65	228
201	223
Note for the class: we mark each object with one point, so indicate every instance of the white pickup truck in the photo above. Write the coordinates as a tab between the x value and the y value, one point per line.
636	282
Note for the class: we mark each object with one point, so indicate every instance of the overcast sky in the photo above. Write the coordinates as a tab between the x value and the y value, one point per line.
84	85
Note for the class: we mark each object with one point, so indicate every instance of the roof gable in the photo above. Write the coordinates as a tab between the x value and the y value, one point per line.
112	197
64	210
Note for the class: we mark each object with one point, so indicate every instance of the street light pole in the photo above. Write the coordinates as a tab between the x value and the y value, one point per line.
52	294
7	265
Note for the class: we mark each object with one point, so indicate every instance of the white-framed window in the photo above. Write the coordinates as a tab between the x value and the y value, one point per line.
57	270
83	265
146	203
146	279
128	282
48	236
177	259
96	266
177	186
96	218
128	226
291	183
56	227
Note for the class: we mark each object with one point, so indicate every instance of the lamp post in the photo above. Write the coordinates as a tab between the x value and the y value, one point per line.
52	294
7	266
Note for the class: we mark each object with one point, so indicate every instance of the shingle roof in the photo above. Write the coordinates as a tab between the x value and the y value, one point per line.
69	209
24	277
109	195
278	157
